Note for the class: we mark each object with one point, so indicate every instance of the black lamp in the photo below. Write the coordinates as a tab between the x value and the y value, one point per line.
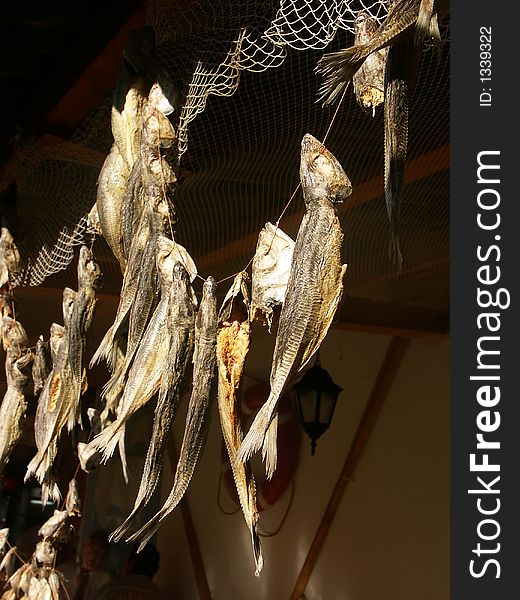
316	396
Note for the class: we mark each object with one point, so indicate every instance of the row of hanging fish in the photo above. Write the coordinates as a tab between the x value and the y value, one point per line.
384	65
38	579
59	399
18	366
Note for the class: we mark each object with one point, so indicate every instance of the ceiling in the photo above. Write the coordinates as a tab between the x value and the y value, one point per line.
58	70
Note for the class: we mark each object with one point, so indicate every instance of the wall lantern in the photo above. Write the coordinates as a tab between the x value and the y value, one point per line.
316	396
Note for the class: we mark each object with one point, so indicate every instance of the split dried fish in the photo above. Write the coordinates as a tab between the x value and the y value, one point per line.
52	526
270	271
14	405
233	339
72	500
13	335
89	282
41	365
199	408
45	552
369	79
181	325
338	68
313	292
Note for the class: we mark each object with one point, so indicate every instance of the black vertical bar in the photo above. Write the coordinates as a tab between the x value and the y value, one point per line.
485	236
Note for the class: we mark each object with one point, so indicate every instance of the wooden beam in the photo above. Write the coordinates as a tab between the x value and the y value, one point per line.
418	168
389	367
95	84
191	535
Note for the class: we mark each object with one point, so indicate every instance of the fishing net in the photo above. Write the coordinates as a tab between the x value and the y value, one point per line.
239	154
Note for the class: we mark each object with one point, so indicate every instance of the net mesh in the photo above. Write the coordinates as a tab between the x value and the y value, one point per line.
242	160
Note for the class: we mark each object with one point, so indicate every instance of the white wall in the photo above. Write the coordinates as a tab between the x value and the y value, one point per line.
390	537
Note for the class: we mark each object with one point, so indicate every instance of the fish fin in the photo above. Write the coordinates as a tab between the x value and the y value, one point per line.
254	439
107	440
122	456
338	68
257	550
269	447
32	467
104	351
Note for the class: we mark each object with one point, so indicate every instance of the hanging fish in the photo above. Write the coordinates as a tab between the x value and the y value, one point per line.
14	405
89	282
233	339
369	79
10	262
401	73
72	500
313	292
8	562
41	365
144	376
181	325
199	408
270	271
339	67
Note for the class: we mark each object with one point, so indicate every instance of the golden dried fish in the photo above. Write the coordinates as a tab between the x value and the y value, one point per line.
45	552
10	263
72	500
13	335
144	376
112	185
199	408
233	338
270	271
338	68
313	292
4	534
19	580
89	282
181	325
8	562
369	79
52	526
14	405
41	365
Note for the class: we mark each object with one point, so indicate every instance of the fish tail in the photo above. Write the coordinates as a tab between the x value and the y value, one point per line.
50	490
257	550
394	253
32	467
104	351
107	440
254	439
338	68
122	456
269	447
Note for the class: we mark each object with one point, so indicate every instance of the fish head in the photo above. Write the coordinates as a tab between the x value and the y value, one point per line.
89	272
13	334
321	175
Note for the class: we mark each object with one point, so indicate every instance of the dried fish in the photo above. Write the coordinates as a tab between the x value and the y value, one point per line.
52	526
10	262
144	376
8	562
270	271
112	185
72	500
14	405
4	534
338	68
199	408
233	338
401	73
41	365
89	282
369	79
45	552
313	292
181	325
13	335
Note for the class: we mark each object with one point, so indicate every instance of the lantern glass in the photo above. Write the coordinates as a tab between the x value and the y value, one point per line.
316	396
